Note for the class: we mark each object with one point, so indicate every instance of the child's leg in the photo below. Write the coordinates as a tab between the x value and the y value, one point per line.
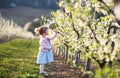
41	68
42	72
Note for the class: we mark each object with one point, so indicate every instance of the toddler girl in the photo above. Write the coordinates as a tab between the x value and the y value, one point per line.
45	50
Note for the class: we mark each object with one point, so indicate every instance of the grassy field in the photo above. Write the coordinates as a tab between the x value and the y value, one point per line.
18	59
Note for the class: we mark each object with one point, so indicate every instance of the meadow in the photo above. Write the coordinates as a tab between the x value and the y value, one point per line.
18	47
18	59
18	51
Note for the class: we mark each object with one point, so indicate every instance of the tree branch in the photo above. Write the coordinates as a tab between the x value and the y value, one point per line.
93	33
109	11
73	26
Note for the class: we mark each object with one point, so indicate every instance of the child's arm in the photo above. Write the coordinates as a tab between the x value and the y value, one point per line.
54	36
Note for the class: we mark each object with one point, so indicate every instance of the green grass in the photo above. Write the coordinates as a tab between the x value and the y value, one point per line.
18	59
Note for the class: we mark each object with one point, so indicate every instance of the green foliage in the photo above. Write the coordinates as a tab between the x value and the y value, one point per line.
18	59
69	61
86	28
106	73
27	75
53	26
30	26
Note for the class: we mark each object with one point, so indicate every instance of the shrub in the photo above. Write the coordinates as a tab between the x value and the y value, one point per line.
10	30
30	26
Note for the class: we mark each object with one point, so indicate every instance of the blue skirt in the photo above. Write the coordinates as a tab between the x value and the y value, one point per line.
45	57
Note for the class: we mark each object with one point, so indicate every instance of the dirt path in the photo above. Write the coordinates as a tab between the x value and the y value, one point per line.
60	69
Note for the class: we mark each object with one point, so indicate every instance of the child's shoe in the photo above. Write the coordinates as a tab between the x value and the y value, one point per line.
44	74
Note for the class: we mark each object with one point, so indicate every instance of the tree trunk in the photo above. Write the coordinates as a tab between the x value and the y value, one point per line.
77	58
87	68
66	54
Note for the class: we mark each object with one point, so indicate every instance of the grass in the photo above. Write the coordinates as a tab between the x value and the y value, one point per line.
18	59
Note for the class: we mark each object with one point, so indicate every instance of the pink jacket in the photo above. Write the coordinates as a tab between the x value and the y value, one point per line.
45	43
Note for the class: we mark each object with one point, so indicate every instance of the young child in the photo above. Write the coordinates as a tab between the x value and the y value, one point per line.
45	50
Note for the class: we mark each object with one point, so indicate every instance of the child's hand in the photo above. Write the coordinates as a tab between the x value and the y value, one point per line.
56	32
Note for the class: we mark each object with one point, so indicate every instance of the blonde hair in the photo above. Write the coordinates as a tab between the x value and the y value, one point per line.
36	30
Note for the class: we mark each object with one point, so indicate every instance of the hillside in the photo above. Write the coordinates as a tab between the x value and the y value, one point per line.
22	15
